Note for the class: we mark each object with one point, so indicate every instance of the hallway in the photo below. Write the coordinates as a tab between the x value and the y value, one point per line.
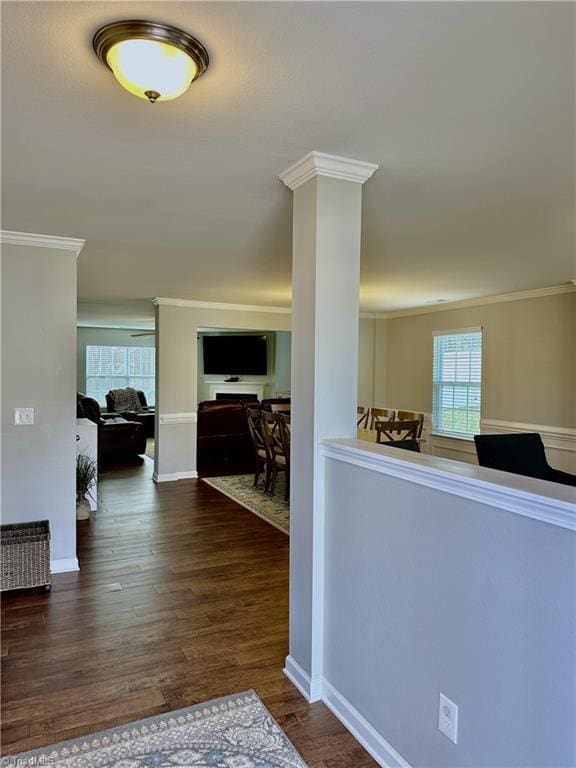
182	597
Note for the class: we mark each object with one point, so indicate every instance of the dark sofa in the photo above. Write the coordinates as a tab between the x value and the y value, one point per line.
223	436
117	437
144	415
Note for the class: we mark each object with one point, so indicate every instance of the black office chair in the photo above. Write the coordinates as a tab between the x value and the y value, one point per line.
521	453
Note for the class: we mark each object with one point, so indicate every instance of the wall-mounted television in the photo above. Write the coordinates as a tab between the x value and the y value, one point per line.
235	354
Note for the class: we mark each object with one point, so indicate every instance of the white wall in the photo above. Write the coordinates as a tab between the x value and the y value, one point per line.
428	592
39	371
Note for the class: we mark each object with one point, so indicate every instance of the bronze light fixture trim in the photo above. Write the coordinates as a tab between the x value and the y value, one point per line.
151	60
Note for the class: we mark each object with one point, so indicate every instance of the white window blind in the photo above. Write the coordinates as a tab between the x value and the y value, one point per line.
117	367
457	382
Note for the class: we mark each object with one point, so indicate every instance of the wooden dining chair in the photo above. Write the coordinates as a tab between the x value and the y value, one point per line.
412	416
285	437
362	416
407	429
381	414
276	459
280	407
254	417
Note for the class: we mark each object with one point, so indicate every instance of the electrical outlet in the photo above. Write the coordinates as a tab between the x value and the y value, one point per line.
448	718
23	416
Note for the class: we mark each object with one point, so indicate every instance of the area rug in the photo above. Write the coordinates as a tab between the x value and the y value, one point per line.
241	488
232	732
150	447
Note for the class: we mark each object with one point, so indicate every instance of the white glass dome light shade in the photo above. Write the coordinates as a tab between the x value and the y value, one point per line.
145	67
149	59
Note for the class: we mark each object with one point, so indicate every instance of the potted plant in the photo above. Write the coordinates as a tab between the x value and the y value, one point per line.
86	474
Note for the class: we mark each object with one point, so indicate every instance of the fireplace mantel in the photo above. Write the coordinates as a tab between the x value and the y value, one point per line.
233	387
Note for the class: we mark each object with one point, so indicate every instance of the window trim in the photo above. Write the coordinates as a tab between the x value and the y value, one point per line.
126	376
465	436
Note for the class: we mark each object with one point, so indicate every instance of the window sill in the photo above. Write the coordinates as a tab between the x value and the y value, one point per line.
454	436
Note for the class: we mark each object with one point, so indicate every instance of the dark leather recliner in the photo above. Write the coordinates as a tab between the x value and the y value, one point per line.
117	437
144	416
223	435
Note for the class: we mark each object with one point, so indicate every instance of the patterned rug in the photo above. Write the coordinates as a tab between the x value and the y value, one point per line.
232	732
241	488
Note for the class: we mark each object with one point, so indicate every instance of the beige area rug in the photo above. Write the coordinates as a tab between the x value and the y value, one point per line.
232	732
241	488
150	447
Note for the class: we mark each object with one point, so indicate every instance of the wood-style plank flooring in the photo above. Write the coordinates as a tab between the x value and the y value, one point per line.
182	596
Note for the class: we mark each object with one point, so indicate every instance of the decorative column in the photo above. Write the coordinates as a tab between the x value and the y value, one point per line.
176	391
325	314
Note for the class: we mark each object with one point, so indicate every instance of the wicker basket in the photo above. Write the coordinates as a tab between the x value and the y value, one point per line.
25	555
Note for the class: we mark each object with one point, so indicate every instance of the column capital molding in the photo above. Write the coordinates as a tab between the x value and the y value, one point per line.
41	241
320	164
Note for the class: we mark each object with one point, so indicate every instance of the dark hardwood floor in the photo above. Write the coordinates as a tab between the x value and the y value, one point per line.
182	596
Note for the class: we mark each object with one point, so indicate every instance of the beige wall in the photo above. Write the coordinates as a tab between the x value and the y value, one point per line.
177	376
366	363
529	359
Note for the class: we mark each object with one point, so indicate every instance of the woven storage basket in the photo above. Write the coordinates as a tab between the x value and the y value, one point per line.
25	555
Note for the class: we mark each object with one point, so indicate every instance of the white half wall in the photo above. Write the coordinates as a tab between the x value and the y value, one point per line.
443	578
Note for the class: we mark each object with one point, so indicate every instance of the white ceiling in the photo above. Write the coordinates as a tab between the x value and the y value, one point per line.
468	108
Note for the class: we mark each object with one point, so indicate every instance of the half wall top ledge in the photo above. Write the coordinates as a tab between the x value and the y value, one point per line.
320	164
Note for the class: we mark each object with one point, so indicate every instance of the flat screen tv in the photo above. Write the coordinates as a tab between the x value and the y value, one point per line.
232	355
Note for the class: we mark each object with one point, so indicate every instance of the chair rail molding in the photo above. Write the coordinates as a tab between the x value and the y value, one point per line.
73	244
560	438
178	418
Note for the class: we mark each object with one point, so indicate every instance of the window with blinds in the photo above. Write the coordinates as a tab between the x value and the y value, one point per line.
457	382
118	367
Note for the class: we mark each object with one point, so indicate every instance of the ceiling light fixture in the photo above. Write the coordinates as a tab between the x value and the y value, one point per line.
151	60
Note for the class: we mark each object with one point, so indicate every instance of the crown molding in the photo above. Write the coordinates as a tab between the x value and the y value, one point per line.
42	241
320	164
160	302
535	293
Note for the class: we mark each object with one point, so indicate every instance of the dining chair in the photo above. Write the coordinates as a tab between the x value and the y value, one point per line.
411	416
285	437
386	429
254	417
522	453
276	459
362	414
381	414
280	407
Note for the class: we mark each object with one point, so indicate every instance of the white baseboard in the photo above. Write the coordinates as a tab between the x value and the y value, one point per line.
383	752
310	689
169	478
64	565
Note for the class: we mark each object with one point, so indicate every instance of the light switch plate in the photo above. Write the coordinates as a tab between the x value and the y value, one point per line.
24	416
